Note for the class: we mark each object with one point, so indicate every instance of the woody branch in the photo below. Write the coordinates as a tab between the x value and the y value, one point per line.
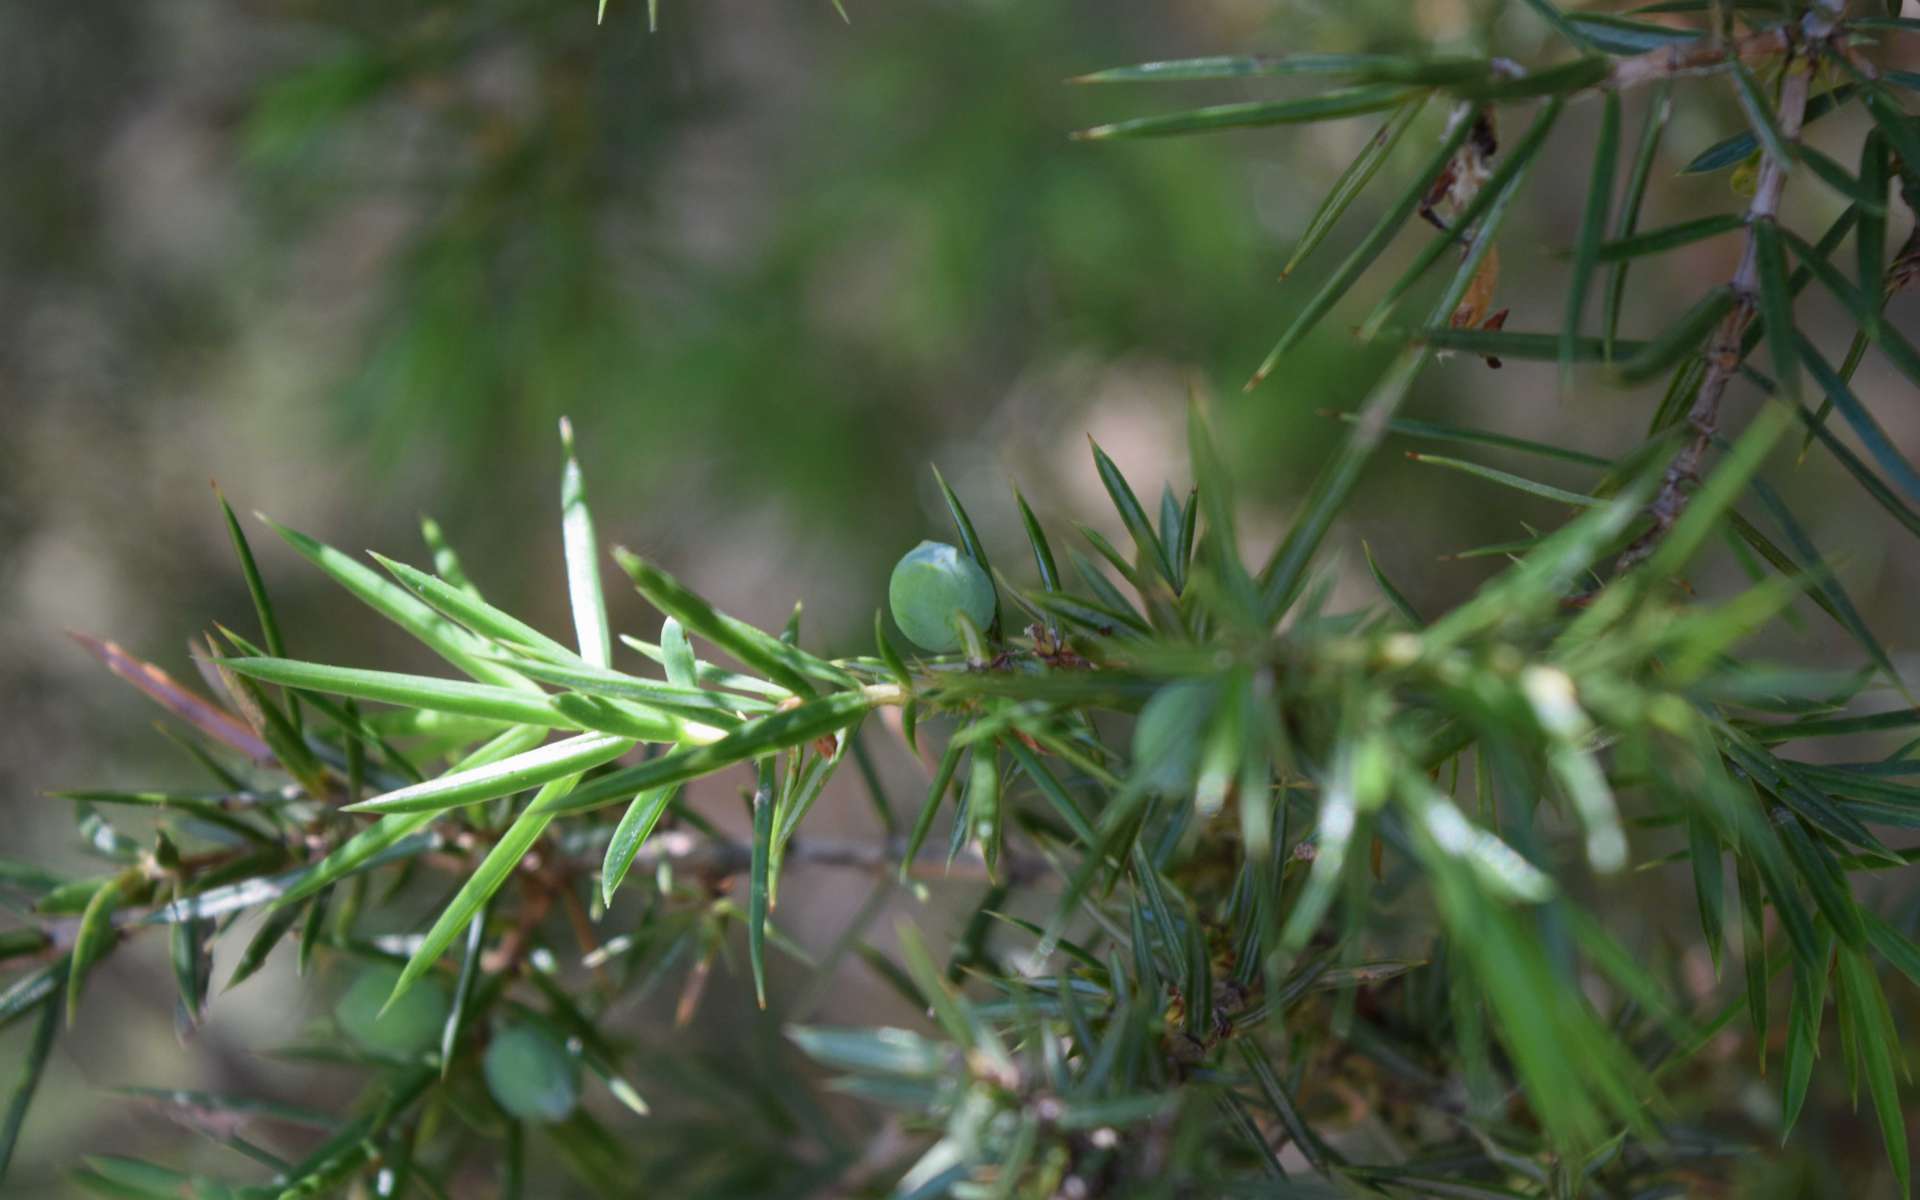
1726	350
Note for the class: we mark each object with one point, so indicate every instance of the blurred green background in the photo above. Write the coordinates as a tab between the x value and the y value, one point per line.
354	259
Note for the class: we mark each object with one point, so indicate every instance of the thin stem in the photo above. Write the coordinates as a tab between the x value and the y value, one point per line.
1726	351
1697	58
718	858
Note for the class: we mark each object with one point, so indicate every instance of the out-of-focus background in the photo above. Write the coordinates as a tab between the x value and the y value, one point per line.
353	260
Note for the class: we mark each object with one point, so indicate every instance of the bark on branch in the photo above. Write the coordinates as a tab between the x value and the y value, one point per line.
1697	57
1726	350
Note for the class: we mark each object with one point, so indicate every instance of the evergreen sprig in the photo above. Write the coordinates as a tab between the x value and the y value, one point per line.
1262	870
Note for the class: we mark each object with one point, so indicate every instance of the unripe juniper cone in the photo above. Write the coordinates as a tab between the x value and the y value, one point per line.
1167	738
407	1030
531	1075
930	584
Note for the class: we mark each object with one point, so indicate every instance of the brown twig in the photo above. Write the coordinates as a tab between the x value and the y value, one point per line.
716	858
1697	57
1728	348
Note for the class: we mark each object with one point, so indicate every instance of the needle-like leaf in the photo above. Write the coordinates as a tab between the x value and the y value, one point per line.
1593	226
1354	180
1341	282
1328	106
